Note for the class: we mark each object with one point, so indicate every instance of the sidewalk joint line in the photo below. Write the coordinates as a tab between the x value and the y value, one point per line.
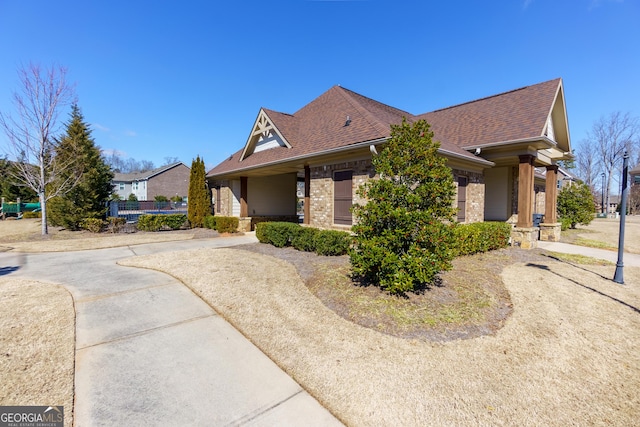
146	331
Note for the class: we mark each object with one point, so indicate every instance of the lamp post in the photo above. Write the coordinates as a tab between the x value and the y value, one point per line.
602	205
618	276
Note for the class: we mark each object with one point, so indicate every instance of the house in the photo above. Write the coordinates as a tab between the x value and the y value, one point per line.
169	181
635	176
492	146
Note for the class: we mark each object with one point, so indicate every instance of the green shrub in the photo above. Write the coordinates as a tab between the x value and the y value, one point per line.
304	239
227	224
262	232
94	225
161	222
576	204
322	242
115	224
209	221
480	237
331	242
280	234
30	214
565	223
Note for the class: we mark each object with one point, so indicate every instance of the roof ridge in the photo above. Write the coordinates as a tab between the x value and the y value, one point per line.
491	96
369	116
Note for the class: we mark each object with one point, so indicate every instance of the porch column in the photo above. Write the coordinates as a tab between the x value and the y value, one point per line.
307	195
550	229
525	191
551	195
244	208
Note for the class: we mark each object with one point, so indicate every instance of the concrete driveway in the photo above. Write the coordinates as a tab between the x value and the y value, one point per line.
150	352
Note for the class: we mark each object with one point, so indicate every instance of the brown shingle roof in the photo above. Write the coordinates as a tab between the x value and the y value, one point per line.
321	125
515	115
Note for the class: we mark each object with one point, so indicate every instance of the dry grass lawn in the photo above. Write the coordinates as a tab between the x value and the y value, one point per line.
567	355
37	345
24	236
603	232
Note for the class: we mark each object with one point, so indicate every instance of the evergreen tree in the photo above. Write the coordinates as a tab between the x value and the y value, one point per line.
10	186
576	205
403	234
199	204
89	197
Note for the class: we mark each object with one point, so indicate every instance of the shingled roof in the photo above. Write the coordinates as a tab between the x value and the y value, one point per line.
510	116
342	118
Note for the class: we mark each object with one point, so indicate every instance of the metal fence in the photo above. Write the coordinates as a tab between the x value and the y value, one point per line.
131	210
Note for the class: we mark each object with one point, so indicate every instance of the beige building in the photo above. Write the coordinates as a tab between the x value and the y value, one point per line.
169	181
493	146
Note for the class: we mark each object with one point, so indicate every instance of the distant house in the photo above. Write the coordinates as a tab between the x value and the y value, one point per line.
169	181
492	145
635	175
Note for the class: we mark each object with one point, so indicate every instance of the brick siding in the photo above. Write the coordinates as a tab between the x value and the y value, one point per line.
170	183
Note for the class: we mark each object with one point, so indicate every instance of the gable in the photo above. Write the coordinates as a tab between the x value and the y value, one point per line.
264	136
557	128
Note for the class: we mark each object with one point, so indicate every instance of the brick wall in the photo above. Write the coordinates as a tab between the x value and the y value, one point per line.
321	191
475	194
169	183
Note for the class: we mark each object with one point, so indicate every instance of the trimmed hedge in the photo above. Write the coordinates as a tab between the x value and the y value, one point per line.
481	237
94	225
322	242
227	224
30	214
161	222
224	224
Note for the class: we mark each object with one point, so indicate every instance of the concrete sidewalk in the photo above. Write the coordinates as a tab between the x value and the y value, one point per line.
150	352
631	260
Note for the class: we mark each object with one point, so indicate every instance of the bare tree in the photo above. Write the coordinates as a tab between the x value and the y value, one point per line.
31	134
169	160
611	137
587	162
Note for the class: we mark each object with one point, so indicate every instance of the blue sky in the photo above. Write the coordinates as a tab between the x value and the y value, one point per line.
160	79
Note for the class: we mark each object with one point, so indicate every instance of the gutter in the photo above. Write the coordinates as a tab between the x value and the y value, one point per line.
348	148
305	156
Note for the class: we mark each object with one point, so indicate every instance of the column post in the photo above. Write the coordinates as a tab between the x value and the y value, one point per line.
307	195
525	191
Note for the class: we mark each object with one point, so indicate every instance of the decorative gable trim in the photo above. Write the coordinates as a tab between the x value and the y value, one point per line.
264	136
557	127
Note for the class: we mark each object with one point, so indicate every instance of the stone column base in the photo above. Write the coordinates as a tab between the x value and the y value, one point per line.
244	224
550	232
525	237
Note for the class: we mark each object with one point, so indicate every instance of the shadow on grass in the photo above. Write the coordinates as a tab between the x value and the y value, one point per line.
419	289
546	268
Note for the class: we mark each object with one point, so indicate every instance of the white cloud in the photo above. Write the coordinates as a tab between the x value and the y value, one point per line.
107	152
596	3
100	127
130	133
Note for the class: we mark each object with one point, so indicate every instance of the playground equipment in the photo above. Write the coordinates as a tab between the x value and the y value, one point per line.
17	208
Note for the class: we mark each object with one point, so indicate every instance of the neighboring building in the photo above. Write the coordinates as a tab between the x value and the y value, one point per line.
169	181
635	175
492	146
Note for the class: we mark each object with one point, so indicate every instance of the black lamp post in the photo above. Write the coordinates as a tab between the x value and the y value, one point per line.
618	276
602	205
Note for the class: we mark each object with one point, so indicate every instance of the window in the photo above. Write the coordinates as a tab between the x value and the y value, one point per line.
342	197
462	198
121	186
